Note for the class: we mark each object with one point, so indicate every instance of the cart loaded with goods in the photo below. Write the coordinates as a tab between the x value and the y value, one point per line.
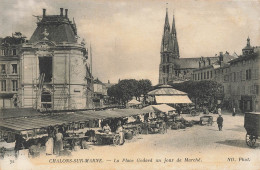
109	138
206	120
252	126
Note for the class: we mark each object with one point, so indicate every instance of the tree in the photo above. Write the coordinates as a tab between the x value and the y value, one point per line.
203	93
144	86
128	88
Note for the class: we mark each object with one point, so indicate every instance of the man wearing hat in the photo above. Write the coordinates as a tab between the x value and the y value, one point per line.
220	122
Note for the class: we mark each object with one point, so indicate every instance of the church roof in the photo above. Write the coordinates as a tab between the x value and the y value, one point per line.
58	29
187	63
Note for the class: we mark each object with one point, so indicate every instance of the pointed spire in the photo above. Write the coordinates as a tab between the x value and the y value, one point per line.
173	26
166	33
166	24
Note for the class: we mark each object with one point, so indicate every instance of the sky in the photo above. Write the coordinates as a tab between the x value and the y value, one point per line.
126	35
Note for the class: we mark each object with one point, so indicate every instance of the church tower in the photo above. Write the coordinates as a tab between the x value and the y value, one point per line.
169	52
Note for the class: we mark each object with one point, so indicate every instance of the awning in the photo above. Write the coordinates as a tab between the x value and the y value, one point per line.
159	108
172	99
18	112
134	102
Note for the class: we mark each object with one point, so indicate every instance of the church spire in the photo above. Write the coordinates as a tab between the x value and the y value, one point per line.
173	26
166	24
166	33
174	41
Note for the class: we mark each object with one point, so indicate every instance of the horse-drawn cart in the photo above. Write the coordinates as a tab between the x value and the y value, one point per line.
252	126
108	138
206	120
158	126
134	127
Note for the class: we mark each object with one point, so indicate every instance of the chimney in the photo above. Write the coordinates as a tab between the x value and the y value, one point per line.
43	12
61	11
66	13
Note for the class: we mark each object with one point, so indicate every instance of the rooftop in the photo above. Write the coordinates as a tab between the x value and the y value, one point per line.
57	28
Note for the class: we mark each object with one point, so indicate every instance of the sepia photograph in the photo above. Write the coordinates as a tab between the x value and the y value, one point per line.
129	84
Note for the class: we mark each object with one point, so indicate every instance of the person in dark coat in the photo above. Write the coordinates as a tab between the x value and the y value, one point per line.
220	122
19	143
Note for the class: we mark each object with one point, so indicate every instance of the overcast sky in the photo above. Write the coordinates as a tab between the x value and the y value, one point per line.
126	35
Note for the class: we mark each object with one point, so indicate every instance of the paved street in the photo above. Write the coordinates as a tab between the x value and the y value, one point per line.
197	147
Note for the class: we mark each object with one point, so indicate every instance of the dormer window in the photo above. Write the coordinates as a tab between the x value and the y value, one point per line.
14	51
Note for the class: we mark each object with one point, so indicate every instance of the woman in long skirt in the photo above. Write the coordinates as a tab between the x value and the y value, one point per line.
49	146
121	133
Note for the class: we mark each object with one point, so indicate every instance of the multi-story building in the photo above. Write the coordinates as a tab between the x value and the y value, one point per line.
244	79
10	70
239	76
54	70
100	92
208	67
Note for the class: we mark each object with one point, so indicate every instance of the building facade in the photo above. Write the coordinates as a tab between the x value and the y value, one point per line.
54	70
10	70
244	79
208	67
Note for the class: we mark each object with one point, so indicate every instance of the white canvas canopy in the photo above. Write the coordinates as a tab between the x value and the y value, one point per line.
133	102
173	99
159	108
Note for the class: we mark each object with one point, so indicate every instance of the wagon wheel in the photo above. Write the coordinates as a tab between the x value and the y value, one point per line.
193	113
139	129
99	140
250	140
116	139
134	132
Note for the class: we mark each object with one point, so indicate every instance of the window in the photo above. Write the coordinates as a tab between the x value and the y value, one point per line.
167	69
204	75
45	65
46	100
14	68
207	74
14	51
3	85
248	74
168	59
3	70
201	76
211	74
234	76
163	69
2	52
243	90
15	85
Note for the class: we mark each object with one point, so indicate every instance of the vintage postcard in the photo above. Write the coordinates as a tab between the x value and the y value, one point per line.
120	84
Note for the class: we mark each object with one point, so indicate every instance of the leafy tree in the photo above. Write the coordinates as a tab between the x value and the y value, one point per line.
144	86
128	88
203	93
